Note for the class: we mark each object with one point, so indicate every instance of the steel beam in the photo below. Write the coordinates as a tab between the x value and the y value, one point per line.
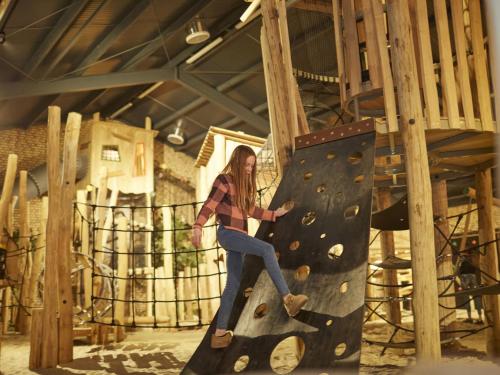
179	20
76	84
224	101
109	38
54	35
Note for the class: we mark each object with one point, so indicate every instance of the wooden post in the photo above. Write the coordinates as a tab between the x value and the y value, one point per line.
443	251
81	198
203	287
352	52
22	323
36	339
425	302
168	264
339	46
446	62
100	214
148	238
480	65
50	335
492	15
122	271
188	293
282	103
457	16
488	262
180	296
418	10
390	277
6	310
383	53
8	185
67	189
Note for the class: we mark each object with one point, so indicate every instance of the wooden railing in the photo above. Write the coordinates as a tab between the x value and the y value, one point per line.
453	79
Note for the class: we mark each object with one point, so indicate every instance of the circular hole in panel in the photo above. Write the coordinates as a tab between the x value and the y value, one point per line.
344	286
351	212
340	349
355	158
241	363
303	161
288	205
247	292
270	235
307	175
287	355
336	251
302	273
294	245
330	155
329	322
309	218
260	311
322	235
321	188
359	179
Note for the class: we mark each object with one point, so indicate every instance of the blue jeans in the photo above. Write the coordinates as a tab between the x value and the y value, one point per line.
237	244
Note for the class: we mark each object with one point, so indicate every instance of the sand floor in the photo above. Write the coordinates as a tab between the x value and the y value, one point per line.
163	352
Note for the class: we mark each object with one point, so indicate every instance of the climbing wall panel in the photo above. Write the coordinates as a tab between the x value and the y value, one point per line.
322	244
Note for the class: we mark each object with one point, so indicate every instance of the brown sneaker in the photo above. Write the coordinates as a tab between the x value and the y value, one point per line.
293	304
219	342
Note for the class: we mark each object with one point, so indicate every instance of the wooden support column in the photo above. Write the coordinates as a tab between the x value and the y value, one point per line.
418	10
23	264
425	302
337	28
480	65
446	62
39	256
168	264
390	277
443	251
122	271
81	198
50	334
67	190
457	16
280	83
489	261
8	185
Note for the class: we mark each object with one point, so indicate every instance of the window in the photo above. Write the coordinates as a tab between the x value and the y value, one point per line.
110	152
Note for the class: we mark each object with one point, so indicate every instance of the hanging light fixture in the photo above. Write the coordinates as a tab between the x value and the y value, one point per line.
177	137
196	33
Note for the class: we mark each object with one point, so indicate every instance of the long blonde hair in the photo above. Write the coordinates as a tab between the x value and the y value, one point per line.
245	184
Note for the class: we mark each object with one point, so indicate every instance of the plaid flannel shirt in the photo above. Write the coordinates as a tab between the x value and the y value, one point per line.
221	202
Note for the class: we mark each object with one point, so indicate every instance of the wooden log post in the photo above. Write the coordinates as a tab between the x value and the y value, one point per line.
39	255
50	335
122	271
67	189
281	94
390	277
81	198
480	65
6	310
168	264
418	10
188	292
8	185
180	296
446	62
457	16
492	15
23	264
444	263
425	302
148	248
36	338
489	261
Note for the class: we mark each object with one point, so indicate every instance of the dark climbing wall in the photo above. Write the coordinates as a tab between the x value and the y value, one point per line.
330	183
